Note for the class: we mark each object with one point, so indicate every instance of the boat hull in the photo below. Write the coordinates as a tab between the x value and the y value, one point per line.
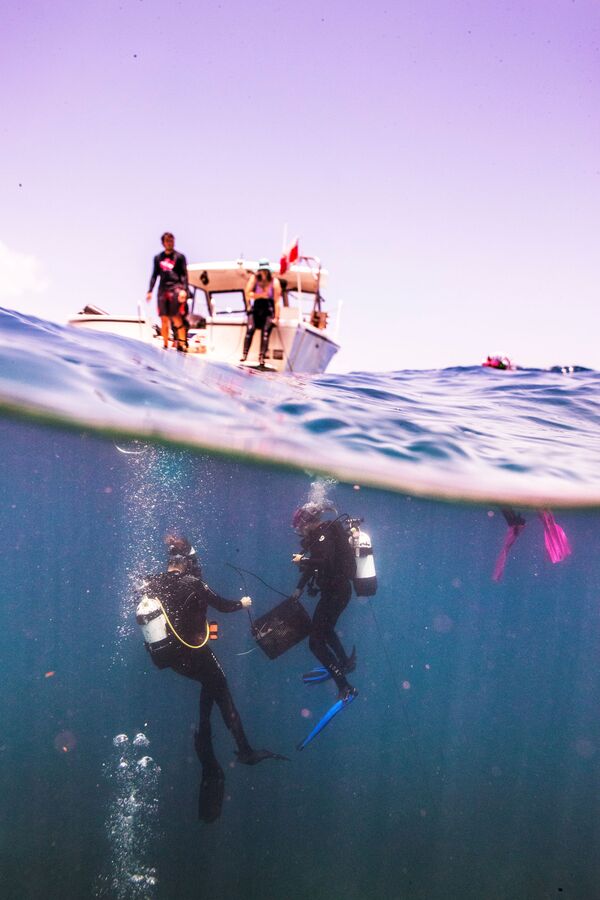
294	346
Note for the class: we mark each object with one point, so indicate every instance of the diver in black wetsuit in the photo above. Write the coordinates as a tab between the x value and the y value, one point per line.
185	599
328	566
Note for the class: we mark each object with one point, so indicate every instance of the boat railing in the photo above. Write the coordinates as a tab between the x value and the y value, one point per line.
309	307
316	316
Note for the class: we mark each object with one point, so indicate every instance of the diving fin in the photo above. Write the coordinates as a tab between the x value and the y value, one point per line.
555	539
516	524
316	676
212	789
320	673
337	707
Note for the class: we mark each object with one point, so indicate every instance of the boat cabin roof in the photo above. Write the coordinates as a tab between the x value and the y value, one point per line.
233	276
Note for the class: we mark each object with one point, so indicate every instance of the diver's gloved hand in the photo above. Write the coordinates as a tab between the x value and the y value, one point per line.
296	594
246	602
252	757
297	558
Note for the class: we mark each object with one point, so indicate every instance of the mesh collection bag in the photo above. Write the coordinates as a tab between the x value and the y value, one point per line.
281	628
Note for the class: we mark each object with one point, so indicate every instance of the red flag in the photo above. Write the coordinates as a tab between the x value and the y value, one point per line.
288	258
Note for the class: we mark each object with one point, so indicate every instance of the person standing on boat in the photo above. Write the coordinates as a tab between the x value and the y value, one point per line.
263	300
170	268
184	598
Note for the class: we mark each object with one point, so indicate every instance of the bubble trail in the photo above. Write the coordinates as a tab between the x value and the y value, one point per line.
131	821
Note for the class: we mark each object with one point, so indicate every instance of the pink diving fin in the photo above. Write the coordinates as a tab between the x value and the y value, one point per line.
557	543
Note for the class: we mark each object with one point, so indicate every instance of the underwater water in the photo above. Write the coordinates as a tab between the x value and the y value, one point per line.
467	766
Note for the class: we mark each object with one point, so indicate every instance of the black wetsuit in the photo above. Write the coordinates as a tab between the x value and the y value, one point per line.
331	566
262	317
171	269
186	599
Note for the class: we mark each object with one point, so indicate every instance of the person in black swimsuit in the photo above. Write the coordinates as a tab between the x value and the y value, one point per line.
170	268
263	296
185	598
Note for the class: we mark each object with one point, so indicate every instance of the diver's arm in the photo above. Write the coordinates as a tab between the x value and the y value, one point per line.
220	603
249	294
155	274
184	274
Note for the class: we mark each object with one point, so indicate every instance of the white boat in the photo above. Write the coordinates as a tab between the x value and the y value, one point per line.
218	316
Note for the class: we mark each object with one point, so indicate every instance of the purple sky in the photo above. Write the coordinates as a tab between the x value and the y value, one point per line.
442	158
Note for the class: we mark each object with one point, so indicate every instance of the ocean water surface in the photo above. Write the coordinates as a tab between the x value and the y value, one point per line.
468	765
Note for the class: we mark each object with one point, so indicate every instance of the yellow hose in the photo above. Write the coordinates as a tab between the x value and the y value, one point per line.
180	639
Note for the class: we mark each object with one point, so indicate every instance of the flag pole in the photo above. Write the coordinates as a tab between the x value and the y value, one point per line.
284	240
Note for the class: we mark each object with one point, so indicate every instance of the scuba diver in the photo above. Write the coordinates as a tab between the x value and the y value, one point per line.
328	566
337	555
172	615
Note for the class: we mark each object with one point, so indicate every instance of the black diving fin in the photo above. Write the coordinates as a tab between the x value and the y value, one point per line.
212	790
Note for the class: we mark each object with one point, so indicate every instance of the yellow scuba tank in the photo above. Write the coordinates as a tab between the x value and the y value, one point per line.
365	580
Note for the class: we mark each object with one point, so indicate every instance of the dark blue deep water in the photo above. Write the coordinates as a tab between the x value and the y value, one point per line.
467	767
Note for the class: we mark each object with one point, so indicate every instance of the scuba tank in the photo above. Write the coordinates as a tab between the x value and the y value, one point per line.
151	619
159	634
365	580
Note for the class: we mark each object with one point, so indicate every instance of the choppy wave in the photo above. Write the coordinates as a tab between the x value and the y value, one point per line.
528	436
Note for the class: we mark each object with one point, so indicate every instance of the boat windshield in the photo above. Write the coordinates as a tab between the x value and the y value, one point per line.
221	304
227	303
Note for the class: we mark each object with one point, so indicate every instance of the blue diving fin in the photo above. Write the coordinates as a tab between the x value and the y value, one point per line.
320	673
316	676
337	707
